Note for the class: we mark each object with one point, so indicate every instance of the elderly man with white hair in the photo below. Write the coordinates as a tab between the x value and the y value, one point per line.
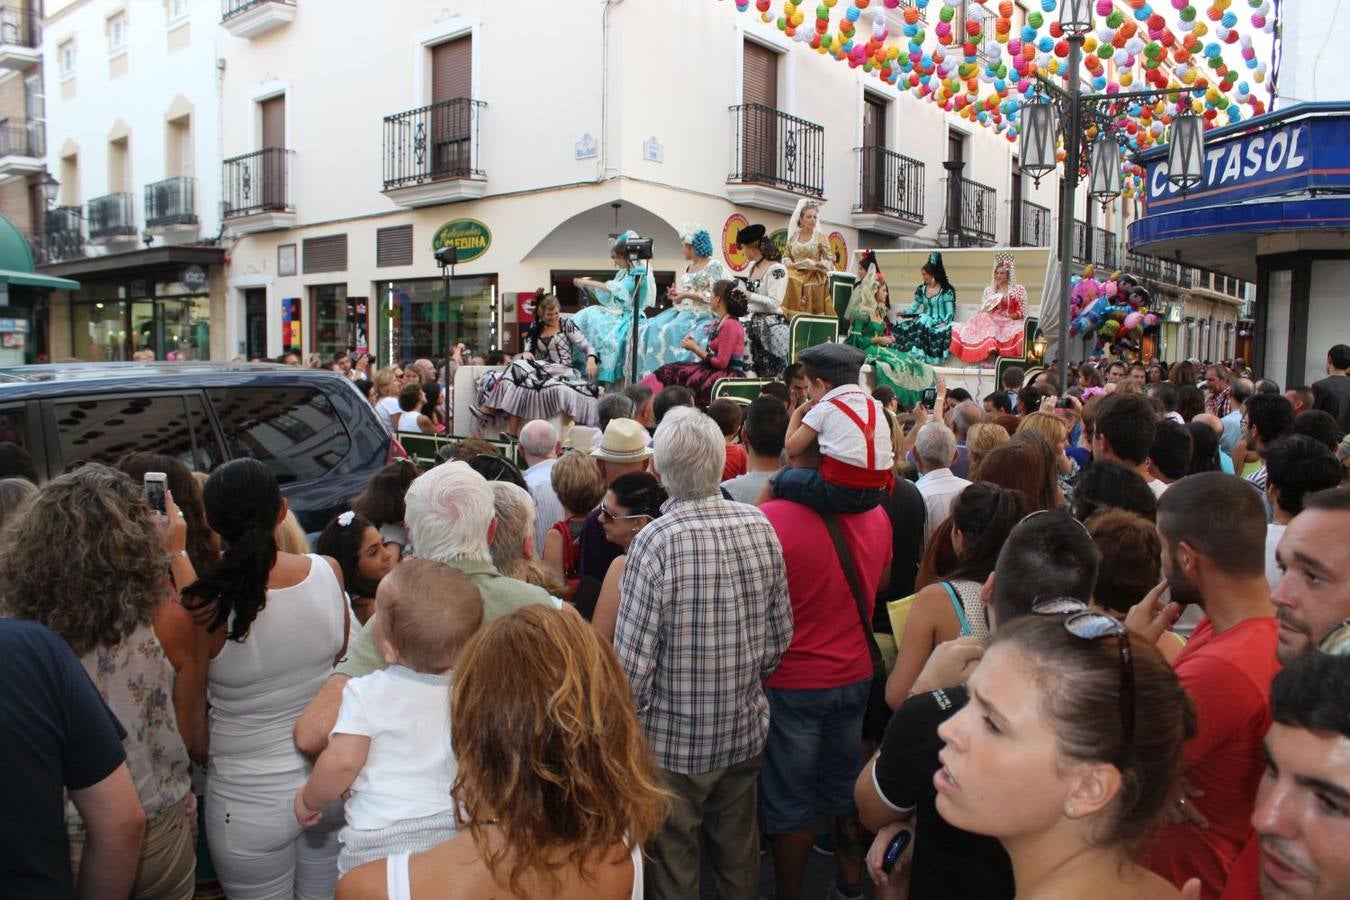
450	516
935	451
540	444
704	619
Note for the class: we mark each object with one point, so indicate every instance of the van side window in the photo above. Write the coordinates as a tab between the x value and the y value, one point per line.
293	430
104	430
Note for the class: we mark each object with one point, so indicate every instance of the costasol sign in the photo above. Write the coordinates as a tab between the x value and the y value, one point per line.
1269	162
470	238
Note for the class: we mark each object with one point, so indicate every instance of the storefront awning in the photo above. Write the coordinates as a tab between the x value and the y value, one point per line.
116	263
29	279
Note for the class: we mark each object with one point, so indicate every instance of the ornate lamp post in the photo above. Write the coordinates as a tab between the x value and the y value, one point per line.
1074	108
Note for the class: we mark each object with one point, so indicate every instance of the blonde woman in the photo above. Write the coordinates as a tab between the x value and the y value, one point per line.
1056	433
982	438
388	382
808	259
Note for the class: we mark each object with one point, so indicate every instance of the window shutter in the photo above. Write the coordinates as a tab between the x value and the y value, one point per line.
760	67
325	254
394	246
452	70
274	122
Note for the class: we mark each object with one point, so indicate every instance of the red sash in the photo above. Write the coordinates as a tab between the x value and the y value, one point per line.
845	475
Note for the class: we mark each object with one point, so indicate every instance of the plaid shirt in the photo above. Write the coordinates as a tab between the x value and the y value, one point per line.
1217	404
704	618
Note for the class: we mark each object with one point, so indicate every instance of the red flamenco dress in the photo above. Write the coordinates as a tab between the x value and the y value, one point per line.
725	359
996	330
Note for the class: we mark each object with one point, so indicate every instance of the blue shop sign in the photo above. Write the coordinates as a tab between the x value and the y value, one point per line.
1283	159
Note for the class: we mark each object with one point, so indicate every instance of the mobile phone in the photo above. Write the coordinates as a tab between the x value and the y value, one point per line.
929	398
894	850
156	488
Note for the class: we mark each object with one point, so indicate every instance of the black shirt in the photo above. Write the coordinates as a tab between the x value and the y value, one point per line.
1332	394
596	550
907	512
56	733
948	862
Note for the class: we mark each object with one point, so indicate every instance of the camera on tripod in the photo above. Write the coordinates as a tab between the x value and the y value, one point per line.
638	248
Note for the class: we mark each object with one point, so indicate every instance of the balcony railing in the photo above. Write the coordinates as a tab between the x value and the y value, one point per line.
62	238
1104	249
978	211
432	143
170	202
112	216
1082	242
231	8
1031	225
890	183
19	27
776	149
20	138
258	182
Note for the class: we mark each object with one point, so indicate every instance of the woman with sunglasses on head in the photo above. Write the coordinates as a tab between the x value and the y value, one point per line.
1056	756
631	502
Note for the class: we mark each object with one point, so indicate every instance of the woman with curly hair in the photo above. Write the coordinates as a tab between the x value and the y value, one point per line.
88	558
690	313
270	628
569	816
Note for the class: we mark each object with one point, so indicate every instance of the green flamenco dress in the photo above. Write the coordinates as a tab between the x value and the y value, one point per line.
928	328
903	373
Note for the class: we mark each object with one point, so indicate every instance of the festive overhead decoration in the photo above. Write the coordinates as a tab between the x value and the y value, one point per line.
977	66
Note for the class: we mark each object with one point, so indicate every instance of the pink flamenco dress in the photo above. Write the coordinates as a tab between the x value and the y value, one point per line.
996	330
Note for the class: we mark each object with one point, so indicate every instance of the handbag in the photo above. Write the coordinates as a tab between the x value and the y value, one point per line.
878	713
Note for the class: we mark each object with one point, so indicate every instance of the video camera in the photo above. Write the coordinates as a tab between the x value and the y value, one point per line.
638	248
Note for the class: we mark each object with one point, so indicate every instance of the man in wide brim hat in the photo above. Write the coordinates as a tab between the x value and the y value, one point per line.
624	441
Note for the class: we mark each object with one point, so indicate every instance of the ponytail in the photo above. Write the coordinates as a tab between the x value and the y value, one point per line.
243	502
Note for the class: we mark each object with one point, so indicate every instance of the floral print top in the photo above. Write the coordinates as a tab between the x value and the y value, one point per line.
135	679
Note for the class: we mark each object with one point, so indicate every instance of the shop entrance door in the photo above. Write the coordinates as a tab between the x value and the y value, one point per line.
255	323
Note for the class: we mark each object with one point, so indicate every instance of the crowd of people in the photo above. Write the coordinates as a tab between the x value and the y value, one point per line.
1091	641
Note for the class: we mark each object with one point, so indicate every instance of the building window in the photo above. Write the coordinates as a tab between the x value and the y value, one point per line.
117	34
66	55
177	10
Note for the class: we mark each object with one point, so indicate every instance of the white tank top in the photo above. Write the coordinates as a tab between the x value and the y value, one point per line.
407	421
398	876
259	688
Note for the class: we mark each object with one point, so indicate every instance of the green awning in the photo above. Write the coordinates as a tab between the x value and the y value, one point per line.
30	279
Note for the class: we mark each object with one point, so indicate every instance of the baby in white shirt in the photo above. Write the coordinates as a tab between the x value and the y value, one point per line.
391	744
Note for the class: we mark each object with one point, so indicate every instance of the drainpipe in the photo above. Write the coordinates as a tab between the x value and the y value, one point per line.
603	169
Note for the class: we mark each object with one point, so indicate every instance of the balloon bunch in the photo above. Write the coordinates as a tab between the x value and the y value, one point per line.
1115	309
974	64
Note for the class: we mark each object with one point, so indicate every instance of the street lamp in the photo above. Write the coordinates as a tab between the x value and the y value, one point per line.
1076	109
50	188
1186	151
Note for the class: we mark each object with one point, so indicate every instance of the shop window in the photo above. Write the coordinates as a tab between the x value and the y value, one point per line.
294	431
103	430
332	322
415	320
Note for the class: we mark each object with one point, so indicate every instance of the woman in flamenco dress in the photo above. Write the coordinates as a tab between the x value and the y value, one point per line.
608	323
997	329
808	259
926	326
902	373
661	337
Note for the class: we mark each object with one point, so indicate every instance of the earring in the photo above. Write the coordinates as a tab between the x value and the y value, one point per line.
1068	810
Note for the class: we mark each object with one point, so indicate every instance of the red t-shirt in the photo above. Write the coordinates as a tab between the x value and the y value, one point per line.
1244	879
736	463
828	649
1227	677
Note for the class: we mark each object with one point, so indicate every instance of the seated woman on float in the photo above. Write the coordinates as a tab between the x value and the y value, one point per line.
724	355
997	329
608	323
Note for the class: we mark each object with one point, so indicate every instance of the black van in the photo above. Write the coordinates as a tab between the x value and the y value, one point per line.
310	427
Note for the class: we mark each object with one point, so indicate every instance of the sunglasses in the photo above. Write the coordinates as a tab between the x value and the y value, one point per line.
1087	624
1337	641
609	516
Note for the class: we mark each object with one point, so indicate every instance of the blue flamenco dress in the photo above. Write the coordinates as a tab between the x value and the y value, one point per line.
660	337
608	322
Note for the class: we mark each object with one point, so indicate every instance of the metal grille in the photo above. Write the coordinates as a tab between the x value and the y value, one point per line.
170	202
231	8
432	142
979	212
258	182
325	254
775	148
890	183
112	216
19	27
394	246
1031	223
1104	249
20	138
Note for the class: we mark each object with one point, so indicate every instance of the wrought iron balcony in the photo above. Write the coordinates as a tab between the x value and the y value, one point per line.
22	147
112	216
1082	242
258	182
434	144
62	238
1104	251
251	18
778	150
890	183
20	38
972	212
170	202
1031	225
